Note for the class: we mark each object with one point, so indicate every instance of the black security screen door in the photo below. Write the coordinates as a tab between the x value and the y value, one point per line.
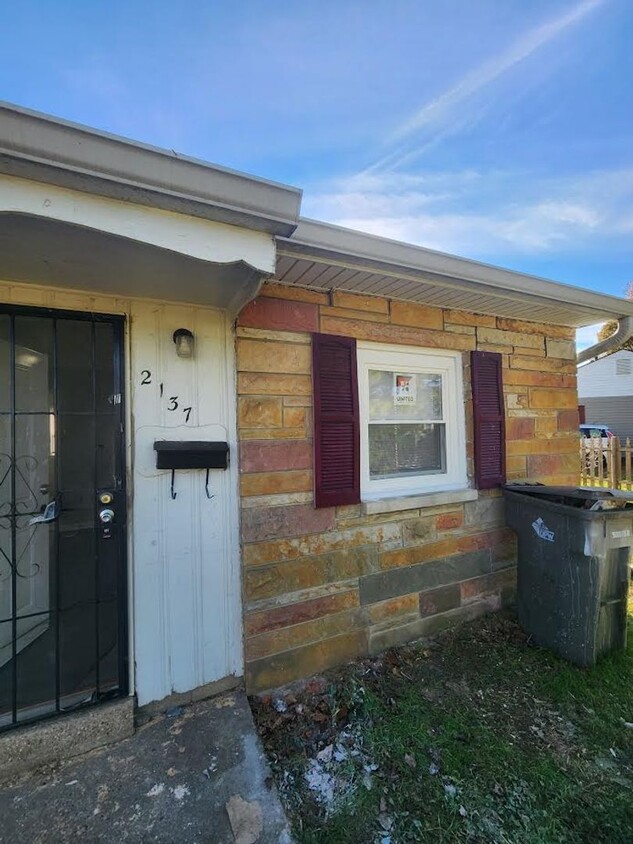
62	513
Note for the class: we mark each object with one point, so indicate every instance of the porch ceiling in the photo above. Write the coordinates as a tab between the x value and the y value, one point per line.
41	251
325	257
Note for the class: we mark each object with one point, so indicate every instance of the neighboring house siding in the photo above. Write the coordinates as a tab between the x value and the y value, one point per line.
609	376
605	388
614	411
323	586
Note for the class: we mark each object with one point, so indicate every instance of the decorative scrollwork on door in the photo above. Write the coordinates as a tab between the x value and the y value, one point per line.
17	514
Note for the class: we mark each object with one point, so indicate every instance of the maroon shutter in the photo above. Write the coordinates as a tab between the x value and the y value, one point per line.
336	425
489	420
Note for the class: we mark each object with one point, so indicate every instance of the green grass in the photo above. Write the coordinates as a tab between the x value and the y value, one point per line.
478	738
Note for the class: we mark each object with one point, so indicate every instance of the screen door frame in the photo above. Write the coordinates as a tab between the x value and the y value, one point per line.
118	323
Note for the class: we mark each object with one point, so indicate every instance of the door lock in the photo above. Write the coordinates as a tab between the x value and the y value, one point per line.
106	515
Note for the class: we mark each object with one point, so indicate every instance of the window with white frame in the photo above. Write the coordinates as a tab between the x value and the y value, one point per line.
412	425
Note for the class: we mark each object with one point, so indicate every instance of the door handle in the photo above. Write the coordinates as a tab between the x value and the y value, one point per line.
48	514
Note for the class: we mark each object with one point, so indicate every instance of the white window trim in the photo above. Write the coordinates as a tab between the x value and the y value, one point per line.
414	359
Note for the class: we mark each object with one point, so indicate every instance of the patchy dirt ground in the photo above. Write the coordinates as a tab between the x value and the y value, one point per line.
474	737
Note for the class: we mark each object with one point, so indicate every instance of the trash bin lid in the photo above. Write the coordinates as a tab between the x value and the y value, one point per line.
583	493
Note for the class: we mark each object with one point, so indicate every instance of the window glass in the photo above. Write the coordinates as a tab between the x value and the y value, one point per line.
75	368
398	445
396	395
406	450
33	364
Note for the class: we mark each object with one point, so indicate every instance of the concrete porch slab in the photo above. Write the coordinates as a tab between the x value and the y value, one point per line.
170	782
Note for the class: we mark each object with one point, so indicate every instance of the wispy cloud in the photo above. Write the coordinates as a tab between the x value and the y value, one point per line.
483	215
439	116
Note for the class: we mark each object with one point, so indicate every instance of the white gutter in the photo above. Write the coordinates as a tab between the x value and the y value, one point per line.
47	149
611	344
337	243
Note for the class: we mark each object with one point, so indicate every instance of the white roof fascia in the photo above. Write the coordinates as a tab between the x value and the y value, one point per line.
338	244
47	149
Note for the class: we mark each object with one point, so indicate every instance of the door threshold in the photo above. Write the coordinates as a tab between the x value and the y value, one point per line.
158	707
59	739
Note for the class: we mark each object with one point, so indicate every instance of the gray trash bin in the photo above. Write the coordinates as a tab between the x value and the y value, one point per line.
574	545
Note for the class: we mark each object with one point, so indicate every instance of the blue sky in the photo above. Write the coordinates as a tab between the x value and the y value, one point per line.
501	130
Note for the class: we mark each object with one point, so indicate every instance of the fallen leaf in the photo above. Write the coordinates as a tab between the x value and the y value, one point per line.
245	818
155	790
385	822
325	755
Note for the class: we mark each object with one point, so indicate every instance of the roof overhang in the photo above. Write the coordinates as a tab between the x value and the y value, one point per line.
46	149
50	151
325	257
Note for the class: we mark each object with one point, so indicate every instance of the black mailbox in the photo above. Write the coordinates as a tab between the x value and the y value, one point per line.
191	455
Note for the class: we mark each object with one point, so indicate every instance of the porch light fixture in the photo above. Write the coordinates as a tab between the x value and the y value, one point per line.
183	338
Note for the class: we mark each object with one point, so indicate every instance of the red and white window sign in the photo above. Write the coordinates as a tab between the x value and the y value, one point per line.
404	389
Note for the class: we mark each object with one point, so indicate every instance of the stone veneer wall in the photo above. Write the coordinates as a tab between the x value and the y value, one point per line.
324	586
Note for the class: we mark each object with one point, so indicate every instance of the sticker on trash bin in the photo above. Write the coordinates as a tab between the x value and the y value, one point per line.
541	529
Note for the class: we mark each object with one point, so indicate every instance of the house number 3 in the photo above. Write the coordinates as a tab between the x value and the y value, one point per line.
173	405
